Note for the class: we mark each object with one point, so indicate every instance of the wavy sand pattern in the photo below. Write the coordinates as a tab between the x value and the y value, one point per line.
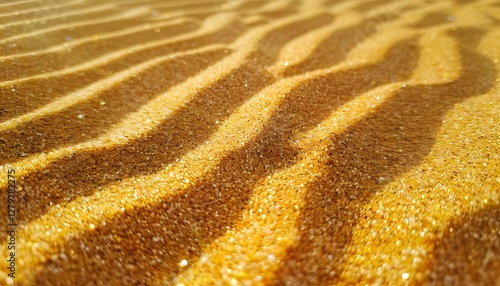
251	142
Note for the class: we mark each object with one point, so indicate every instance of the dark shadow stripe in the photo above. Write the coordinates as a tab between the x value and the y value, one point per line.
54	38
433	19
182	131
23	98
335	48
34	24
468	253
58	130
187	222
251	4
367	6
55	61
64	34
395	137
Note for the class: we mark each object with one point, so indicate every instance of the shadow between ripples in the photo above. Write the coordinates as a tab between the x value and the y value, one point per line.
393	138
469	252
92	118
181	226
24	99
86	172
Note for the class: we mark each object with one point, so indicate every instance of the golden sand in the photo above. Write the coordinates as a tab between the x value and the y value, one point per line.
238	142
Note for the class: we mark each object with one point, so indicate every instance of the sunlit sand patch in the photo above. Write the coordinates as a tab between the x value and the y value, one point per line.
230	257
210	25
172	180
442	188
267	220
433	184
492	12
129	14
164	183
281	196
64	16
92	38
180	95
155	111
235	126
297	51
300	48
13	3
430	70
93	90
275	5
433	69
